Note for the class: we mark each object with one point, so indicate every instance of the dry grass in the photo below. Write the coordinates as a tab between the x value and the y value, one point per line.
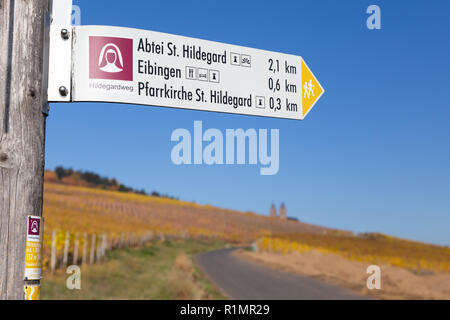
396	282
157	271
372	248
182	280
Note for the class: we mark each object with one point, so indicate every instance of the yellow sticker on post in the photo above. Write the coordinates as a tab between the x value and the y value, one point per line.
32	292
33	255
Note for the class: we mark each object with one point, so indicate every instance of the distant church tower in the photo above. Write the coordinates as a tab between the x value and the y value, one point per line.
283	212
273	211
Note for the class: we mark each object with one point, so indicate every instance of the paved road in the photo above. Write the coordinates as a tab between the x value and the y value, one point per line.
242	279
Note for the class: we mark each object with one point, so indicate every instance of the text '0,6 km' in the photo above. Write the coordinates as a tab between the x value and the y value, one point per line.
114	64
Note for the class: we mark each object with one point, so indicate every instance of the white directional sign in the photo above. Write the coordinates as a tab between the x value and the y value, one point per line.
114	64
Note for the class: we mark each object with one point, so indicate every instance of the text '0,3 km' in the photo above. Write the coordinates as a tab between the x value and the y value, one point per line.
114	64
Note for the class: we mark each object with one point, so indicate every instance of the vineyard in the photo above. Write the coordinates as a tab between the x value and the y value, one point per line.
76	214
369	248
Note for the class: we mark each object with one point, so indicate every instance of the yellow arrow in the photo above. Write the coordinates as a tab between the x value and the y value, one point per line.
311	90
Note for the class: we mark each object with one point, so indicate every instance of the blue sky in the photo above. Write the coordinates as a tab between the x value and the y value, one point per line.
373	155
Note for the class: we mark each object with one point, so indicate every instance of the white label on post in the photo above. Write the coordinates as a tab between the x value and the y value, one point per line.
33	255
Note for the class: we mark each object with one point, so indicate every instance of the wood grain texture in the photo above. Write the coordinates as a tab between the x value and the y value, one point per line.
22	133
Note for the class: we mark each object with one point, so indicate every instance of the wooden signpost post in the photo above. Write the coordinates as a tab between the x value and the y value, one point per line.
44	58
23	98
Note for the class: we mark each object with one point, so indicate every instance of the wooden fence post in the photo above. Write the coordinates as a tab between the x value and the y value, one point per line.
102	247
92	252
105	247
22	133
99	251
66	249
76	244
53	253
85	244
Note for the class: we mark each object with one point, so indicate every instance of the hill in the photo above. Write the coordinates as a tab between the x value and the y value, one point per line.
72	177
72	207
70	204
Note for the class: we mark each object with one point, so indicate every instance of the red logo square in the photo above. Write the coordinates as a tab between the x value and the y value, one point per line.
34	226
111	58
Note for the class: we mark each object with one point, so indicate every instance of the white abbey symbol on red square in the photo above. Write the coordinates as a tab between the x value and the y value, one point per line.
111	58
